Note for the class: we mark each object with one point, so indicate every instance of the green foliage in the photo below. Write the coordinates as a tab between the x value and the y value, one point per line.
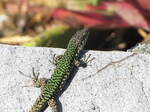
94	2
57	37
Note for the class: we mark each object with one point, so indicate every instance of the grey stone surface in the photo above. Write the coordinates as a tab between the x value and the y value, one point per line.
140	48
113	81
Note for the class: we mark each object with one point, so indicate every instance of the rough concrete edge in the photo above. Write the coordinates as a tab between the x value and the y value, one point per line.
28	48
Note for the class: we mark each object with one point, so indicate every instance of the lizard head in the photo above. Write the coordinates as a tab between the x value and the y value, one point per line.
79	39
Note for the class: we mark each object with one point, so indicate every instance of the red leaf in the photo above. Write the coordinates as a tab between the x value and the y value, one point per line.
140	4
126	14
88	19
129	13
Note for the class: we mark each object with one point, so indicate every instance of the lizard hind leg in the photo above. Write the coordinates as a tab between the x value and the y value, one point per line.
52	103
38	83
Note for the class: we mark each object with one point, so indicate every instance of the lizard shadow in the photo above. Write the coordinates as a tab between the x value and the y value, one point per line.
73	73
